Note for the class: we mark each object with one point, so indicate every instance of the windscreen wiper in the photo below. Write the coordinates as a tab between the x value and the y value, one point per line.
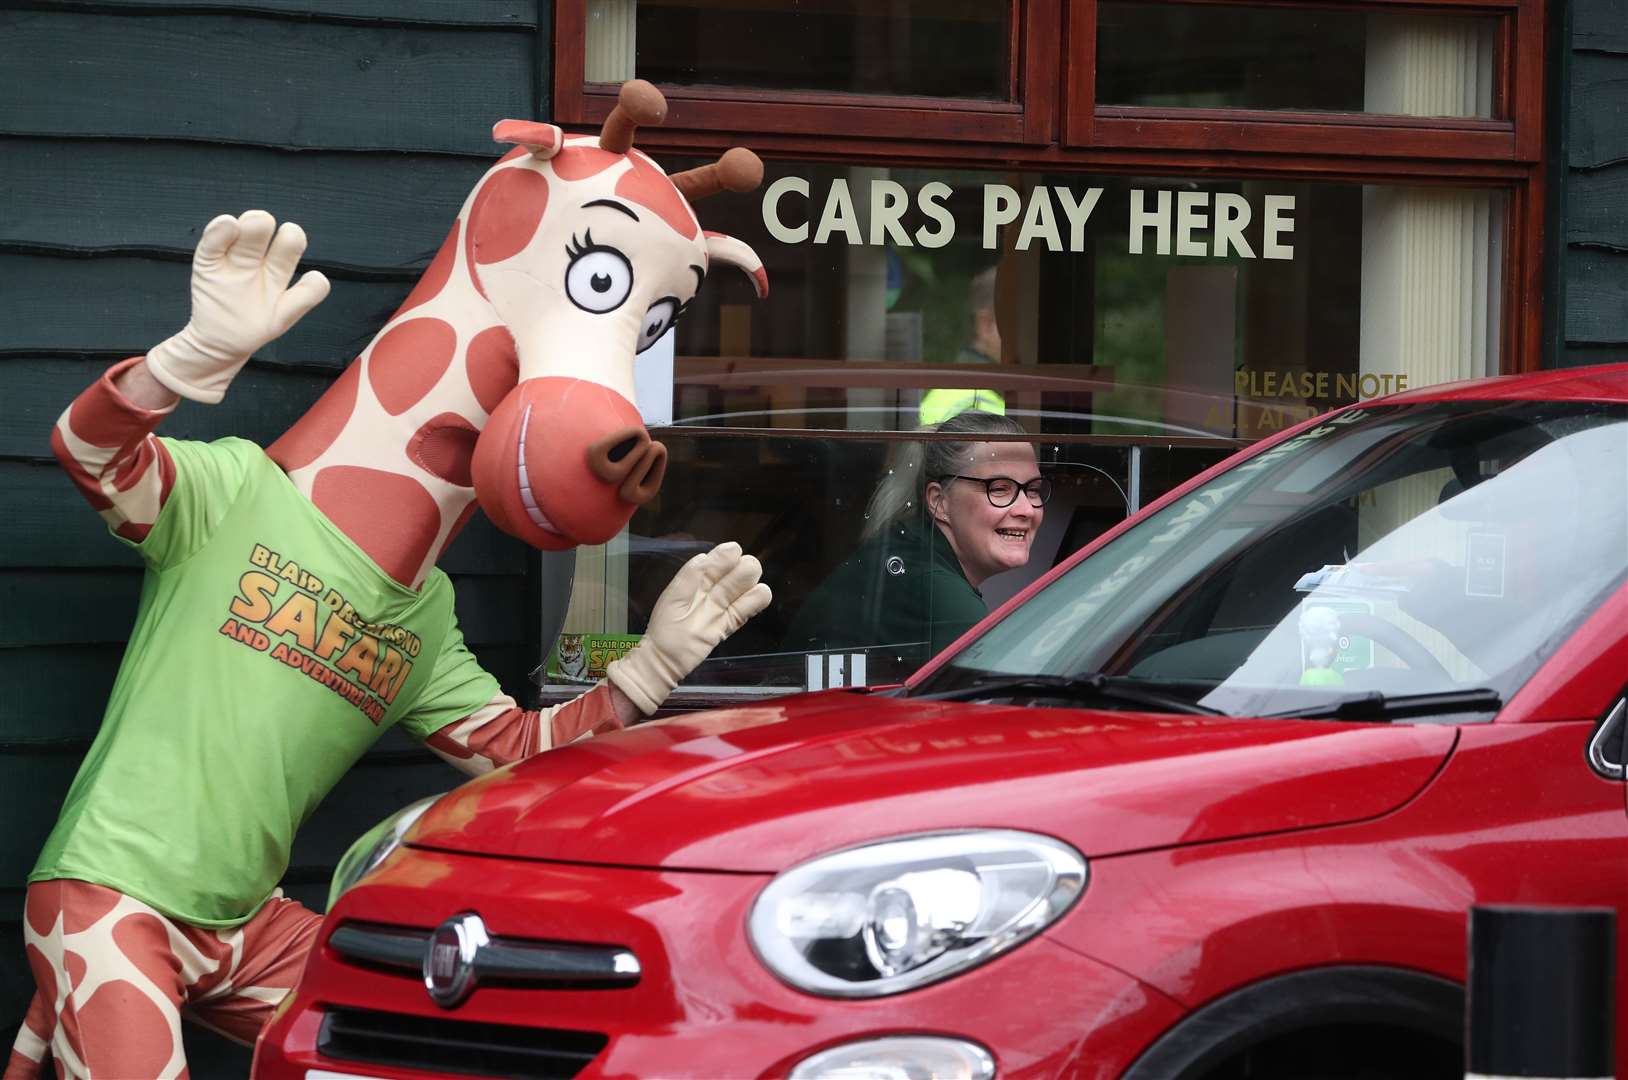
1378	706
1089	687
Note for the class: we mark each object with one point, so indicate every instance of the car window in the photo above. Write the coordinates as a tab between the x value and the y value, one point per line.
1403	549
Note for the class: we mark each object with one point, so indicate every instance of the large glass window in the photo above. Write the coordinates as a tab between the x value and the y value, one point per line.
1134	329
1089	304
967	71
932	48
1209	56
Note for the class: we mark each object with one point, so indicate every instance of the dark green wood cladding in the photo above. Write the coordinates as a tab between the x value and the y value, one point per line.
520	14
47	524
376	212
1599	209
1596	297
96	607
1599	102
123	305
262	399
263	81
73	683
1600	25
1592	290
125	125
55	693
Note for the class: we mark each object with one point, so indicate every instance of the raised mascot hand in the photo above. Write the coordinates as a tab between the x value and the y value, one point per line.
710	598
241	300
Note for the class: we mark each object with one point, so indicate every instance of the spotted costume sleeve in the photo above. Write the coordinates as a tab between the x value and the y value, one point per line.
106	444
470	722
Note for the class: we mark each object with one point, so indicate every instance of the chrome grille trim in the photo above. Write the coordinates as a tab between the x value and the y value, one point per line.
505	960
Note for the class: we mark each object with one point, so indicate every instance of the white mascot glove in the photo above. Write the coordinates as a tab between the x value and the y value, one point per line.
240	301
710	598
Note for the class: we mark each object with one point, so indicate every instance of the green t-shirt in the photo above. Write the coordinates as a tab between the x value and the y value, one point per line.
269	652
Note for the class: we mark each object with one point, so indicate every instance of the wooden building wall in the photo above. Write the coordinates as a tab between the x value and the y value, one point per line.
1591	294
124	126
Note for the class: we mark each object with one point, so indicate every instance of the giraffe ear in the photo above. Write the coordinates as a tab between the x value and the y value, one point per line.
543	140
736	253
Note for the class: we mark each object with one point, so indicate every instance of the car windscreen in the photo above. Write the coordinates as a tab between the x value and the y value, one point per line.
1390	551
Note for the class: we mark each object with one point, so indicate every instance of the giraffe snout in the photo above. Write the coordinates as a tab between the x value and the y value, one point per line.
631	461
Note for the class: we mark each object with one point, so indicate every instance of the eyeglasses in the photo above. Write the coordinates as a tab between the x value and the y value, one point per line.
1002	491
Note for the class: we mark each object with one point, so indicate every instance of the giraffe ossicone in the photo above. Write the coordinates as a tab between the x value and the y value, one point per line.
507	375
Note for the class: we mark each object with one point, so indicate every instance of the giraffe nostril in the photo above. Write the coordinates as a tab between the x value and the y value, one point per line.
615	454
645	476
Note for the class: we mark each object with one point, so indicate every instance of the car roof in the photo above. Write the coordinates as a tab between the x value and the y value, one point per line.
1600	382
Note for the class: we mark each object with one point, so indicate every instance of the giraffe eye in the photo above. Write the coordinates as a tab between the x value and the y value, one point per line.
657	321
598	279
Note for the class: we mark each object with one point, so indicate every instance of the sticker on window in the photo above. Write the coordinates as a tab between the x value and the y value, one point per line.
1484	564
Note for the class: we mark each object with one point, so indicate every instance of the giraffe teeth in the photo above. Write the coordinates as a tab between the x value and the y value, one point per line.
532	511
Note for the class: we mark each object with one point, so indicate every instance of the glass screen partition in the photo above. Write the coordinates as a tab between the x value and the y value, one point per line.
852	601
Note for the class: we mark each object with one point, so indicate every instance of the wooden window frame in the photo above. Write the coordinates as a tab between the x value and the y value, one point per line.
1029	117
1058	127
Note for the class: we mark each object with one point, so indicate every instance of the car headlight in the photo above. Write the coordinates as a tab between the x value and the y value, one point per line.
371	847
898	1057
899	914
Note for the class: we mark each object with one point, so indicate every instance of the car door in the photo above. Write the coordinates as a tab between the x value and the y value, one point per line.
1603	680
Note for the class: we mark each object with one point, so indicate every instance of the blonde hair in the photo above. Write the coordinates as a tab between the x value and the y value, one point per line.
912	463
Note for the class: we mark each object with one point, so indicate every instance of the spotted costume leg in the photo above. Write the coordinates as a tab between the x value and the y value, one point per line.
259	964
28	1051
114	976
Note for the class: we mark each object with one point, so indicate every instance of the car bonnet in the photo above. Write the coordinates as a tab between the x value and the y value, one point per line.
760	788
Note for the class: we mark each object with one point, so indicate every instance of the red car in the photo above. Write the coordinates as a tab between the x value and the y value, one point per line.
1210	800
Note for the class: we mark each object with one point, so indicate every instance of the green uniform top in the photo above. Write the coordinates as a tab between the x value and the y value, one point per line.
903	589
269	652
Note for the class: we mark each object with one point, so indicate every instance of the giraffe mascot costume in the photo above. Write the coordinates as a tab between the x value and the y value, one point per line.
291	610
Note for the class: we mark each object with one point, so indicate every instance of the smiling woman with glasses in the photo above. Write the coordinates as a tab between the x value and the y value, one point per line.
911	588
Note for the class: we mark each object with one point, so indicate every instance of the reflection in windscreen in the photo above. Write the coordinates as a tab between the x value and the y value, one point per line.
1402	550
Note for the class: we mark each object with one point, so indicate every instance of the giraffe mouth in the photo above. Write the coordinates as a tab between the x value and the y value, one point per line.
533	511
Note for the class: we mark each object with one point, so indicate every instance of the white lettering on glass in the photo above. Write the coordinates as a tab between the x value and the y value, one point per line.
1182	222
1158	220
1001	206
1191	218
1231	216
839	214
1277	222
1039	223
929	198
1077	213
888	204
786	234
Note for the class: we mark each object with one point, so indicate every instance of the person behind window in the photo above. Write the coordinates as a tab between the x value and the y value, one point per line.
982	347
947	516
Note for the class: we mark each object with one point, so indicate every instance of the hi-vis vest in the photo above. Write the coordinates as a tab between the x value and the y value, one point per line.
938	406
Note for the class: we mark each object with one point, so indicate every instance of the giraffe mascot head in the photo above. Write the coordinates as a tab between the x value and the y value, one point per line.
509	368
